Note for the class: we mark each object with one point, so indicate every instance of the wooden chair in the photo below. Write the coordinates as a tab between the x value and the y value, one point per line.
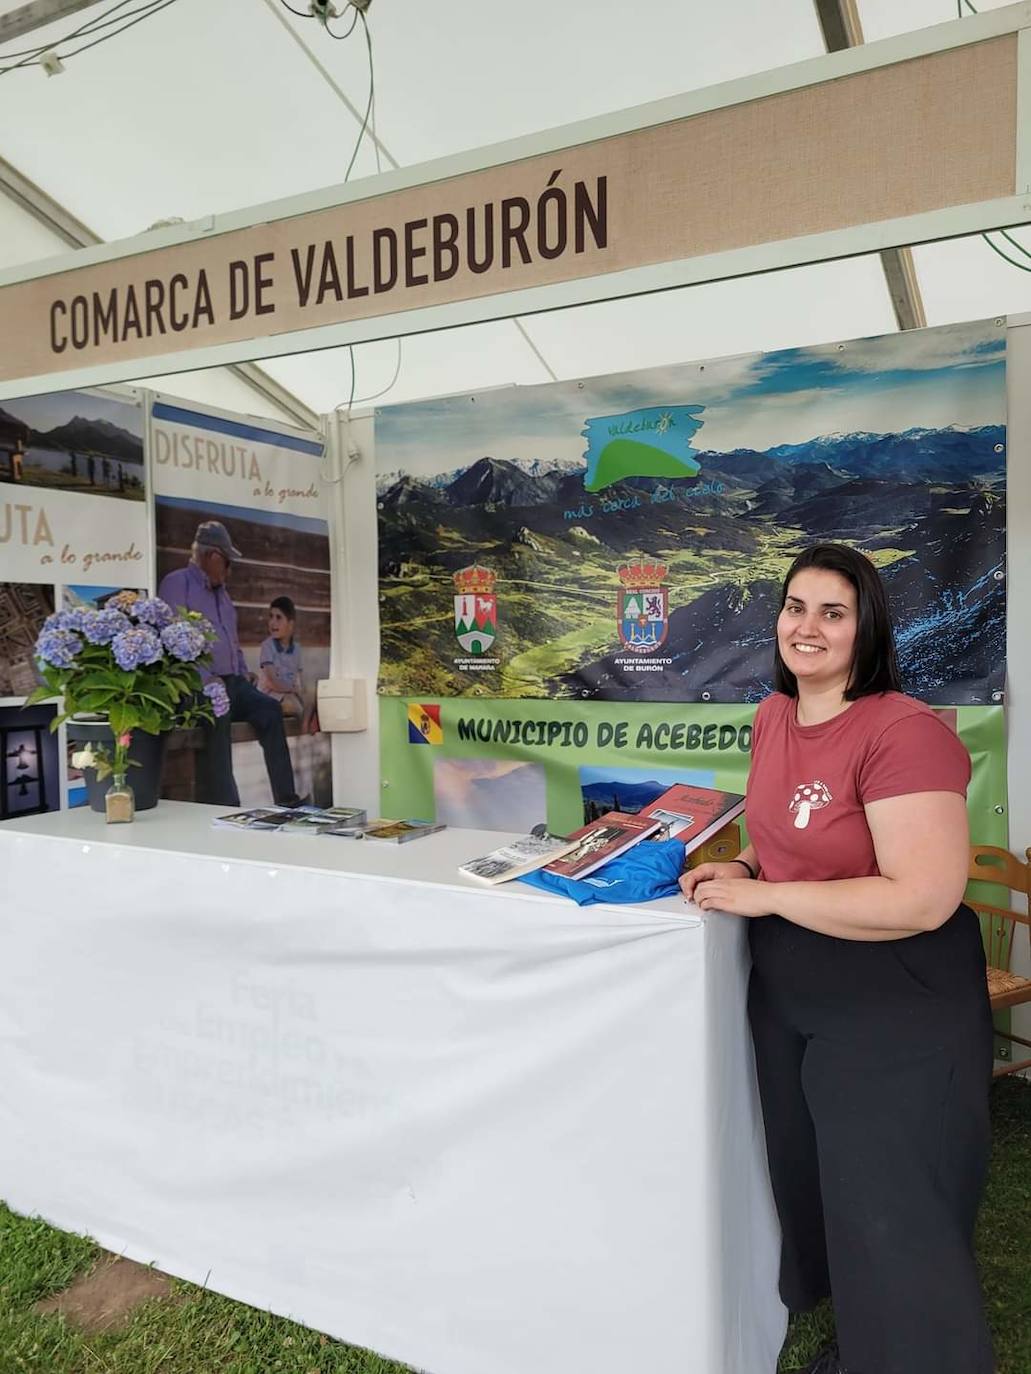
991	865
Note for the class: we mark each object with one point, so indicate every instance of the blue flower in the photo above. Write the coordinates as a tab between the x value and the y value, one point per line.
218	696
58	647
100	627
136	648
64	620
154	612
183	640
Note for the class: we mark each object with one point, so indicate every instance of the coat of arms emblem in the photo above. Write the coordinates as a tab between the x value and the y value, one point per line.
642	615
476	608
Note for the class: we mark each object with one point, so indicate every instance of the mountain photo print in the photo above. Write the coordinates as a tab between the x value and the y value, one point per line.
625	537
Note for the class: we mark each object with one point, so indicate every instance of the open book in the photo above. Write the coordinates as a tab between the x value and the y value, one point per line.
517	857
693	814
602	840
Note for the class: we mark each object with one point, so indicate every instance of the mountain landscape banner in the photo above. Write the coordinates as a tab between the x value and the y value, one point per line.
73	532
65	459
73	515
510	765
624	538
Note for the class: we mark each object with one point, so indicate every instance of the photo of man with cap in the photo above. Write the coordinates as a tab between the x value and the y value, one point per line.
201	586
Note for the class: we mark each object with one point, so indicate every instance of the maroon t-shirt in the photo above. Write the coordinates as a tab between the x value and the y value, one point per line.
808	784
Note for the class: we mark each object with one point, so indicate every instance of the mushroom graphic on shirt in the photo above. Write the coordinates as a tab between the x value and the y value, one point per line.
807	799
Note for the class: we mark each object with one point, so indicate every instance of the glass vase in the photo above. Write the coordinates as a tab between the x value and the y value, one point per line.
119	803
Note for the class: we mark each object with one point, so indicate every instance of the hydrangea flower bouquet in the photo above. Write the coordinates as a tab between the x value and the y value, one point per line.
136	661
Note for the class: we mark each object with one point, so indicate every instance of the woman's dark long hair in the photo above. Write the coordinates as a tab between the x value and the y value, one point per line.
874	663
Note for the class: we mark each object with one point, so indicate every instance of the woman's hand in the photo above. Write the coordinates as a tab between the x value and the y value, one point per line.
730	872
726	887
738	896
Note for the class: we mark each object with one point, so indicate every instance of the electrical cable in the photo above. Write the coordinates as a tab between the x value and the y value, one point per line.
360	14
1016	243
1024	251
132	24
362	400
372	96
75	33
369	116
375	395
1022	266
354	21
307	14
31	57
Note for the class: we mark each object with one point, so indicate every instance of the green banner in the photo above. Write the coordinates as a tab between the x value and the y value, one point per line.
506	765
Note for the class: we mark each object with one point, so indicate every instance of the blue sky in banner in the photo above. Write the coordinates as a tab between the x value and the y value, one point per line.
283	520
58	407
945	376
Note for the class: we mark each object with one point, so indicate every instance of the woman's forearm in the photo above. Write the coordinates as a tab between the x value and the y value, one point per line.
859	908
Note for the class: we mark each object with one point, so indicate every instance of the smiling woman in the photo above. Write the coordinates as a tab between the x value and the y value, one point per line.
834	630
868	999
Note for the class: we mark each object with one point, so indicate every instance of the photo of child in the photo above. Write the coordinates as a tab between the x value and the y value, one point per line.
279	659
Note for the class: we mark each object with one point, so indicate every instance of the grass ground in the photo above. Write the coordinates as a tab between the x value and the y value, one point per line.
197	1332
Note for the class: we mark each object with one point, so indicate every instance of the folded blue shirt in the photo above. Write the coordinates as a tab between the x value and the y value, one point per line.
648	871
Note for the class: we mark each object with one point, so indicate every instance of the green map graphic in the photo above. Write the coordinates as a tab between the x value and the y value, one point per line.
651	442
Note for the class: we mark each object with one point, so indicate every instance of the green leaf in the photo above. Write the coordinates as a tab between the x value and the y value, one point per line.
163	702
103	678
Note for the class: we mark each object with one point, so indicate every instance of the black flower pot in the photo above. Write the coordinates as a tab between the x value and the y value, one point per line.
146	750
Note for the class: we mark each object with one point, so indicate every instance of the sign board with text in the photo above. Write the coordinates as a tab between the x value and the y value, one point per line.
843	154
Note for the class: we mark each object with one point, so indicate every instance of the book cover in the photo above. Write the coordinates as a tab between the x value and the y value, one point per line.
602	840
346	830
517	857
257	818
314	820
306	824
399	832
693	814
345	815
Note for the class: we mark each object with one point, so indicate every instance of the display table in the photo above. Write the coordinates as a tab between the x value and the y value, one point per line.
483	1131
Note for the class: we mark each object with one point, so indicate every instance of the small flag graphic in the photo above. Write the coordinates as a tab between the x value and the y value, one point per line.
424	725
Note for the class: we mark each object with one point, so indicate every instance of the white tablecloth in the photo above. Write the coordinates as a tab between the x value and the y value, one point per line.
480	1131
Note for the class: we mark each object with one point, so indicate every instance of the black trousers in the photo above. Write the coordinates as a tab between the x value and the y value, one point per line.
874	1063
264	714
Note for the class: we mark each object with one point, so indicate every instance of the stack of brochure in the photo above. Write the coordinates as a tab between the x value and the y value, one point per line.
349	822
294	820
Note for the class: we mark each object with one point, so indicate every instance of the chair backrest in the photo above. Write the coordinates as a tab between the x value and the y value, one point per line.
998	867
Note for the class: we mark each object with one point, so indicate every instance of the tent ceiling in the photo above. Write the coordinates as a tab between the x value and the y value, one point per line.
205	107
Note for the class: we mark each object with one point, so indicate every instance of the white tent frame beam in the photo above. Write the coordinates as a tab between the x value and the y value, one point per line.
948	221
17	187
842	28
37	14
381	148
